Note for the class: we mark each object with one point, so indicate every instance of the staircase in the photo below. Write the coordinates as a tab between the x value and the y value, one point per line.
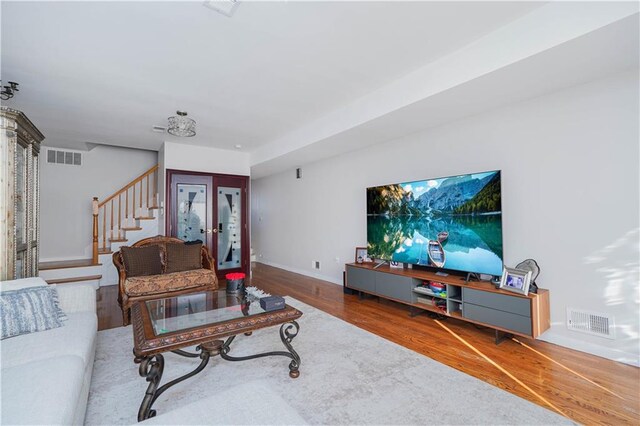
122	218
69	272
124	211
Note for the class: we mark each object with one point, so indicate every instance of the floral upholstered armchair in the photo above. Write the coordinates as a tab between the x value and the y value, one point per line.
160	267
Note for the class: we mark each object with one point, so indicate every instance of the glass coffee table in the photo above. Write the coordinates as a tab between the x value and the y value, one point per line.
211	320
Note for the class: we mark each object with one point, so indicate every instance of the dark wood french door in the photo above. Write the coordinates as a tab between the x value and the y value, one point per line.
211	208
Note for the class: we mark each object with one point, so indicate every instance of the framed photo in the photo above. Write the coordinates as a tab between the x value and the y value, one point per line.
362	255
515	280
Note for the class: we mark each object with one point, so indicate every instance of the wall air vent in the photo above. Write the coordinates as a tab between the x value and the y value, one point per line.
56	156
594	323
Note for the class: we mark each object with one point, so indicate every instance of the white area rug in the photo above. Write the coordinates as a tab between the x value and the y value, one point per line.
347	376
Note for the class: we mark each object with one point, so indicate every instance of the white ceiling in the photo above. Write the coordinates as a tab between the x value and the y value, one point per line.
106	72
609	50
295	82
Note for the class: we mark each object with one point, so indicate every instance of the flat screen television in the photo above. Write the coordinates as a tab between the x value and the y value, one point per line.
452	223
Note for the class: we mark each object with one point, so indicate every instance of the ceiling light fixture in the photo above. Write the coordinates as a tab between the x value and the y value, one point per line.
181	125
8	92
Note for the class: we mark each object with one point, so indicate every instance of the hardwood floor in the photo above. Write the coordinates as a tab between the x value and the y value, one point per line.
583	387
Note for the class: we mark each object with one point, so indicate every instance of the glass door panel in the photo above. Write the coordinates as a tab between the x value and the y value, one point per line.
211	208
229	228
192	212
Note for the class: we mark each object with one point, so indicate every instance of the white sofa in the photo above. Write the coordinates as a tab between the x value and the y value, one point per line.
46	375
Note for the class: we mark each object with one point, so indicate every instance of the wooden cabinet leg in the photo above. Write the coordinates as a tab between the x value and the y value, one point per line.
501	336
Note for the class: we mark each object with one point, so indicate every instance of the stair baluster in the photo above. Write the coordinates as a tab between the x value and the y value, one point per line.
104	228
147	194
95	210
111	221
119	214
133	204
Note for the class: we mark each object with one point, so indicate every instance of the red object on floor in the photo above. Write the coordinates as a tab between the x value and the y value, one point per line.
235	276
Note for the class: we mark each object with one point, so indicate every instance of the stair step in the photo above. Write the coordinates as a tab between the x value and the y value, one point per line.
64	264
58	274
133	228
74	279
104	251
145	218
118	240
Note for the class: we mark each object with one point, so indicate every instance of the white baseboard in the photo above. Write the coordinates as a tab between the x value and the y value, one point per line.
590	348
303	272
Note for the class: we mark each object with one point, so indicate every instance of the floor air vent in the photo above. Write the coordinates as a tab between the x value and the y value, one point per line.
56	156
593	323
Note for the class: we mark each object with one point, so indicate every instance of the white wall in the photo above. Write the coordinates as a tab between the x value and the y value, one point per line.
178	156
204	159
570	194
66	193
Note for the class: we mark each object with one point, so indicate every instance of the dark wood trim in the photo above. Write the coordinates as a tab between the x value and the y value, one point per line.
246	242
170	172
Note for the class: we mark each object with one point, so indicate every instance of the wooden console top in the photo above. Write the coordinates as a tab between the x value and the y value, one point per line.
449	279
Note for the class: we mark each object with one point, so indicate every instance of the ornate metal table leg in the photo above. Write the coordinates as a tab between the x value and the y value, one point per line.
287	335
287	332
151	368
185	353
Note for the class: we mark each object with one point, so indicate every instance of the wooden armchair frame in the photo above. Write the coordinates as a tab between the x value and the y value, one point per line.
125	301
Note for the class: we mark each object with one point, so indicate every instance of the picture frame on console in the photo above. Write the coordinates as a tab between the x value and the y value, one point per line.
362	255
516	280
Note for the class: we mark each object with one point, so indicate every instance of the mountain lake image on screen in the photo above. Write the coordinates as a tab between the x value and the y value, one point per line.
452	223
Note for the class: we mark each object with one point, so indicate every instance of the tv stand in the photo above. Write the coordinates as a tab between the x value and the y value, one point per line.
475	302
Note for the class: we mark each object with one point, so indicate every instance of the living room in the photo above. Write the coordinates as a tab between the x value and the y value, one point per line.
308	104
